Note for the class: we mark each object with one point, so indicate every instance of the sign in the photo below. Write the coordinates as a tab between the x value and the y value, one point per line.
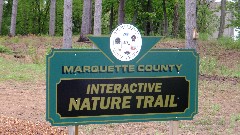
97	86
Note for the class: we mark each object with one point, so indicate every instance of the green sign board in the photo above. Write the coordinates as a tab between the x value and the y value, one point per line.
91	86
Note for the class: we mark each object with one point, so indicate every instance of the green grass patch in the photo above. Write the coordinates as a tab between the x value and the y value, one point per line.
4	49
210	66
229	43
12	70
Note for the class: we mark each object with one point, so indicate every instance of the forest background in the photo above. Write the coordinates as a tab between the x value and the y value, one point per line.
151	17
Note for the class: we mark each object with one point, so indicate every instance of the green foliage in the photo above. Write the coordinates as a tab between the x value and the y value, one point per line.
229	43
234	8
146	15
4	49
207	21
77	16
203	36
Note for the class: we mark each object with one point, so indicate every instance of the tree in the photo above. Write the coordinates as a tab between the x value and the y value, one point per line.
191	25
148	27
111	18
52	18
222	18
176	20
67	24
13	19
165	18
121	13
86	20
97	18
1	13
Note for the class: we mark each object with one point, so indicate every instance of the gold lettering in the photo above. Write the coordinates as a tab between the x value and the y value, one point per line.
95	102
151	86
109	88
117	88
95	89
141	68
171	67
139	101
148	101
87	69
164	68
178	67
159	101
74	104
102	87
67	69
110	69
140	87
133	90
88	89
171	104
125	89
166	101
131	68
124	68
117	68
126	102
158	87
115	103
148	68
95	69
103	69
86	104
106	105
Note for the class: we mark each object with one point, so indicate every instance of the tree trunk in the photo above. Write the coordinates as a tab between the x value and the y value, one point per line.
86	21
97	18
97	28
121	14
191	25
222	18
111	19
1	13
52	18
148	20
135	16
13	19
165	18
67	24
90	20
175	23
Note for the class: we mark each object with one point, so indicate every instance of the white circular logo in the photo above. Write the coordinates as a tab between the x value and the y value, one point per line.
125	42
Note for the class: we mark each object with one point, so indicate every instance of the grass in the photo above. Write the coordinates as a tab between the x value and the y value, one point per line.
12	70
211	66
229	43
4	49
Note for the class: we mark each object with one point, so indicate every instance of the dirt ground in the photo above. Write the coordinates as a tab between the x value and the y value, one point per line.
23	106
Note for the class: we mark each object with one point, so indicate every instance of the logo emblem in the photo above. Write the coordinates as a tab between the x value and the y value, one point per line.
125	42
